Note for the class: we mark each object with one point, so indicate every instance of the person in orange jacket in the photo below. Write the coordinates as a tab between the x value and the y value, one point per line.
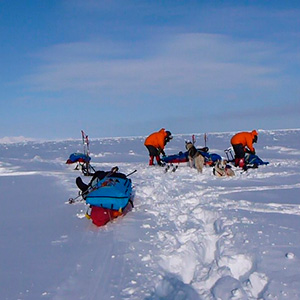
242	142
155	143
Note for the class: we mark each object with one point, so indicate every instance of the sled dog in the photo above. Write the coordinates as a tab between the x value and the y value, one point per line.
222	169
195	158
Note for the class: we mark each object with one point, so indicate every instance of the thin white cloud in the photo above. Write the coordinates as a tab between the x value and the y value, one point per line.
185	64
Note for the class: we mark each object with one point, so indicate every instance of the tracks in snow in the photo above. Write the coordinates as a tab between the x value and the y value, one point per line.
193	242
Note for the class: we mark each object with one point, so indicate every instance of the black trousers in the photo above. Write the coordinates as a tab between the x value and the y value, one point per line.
239	151
152	150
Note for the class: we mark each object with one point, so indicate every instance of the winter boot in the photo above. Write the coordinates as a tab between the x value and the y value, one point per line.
151	161
236	162
81	185
242	163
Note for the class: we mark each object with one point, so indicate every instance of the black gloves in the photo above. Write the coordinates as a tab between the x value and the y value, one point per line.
162	152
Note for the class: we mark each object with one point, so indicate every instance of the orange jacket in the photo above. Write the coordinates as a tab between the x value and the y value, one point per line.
244	138
156	139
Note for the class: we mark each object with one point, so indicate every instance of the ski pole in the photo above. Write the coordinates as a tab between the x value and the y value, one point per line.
131	173
193	139
205	139
73	200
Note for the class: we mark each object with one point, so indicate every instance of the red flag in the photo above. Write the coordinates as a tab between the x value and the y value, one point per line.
193	139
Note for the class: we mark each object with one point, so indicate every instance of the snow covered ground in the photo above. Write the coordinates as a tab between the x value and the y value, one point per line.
189	236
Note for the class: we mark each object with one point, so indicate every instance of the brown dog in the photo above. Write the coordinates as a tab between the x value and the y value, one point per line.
221	169
195	158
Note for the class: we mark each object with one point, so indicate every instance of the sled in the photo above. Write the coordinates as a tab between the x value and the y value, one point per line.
108	194
83	163
209	158
78	157
82	159
250	159
181	157
111	192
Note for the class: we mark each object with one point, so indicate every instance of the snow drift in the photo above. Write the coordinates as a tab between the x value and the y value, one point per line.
189	236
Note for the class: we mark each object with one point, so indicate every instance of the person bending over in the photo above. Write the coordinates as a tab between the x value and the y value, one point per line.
155	143
242	142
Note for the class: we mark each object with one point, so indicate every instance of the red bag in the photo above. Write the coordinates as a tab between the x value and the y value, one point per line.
100	216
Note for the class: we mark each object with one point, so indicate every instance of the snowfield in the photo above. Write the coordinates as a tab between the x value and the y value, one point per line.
189	236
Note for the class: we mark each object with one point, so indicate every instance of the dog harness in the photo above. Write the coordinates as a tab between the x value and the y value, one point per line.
214	172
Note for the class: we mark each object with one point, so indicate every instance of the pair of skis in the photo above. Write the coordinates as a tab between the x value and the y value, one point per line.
171	167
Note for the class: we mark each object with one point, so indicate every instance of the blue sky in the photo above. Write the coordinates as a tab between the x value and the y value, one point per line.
123	68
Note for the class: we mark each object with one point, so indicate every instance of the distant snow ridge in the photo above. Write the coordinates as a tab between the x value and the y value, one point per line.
15	139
